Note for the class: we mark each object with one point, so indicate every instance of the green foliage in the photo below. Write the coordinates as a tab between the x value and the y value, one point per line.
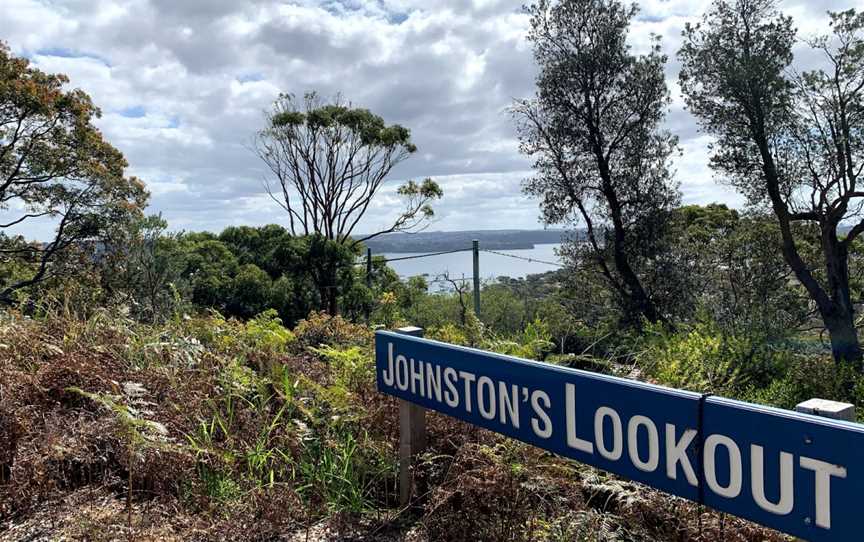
353	367
534	342
307	438
55	165
506	307
240	273
387	311
331	160
337	466
806	377
130	410
266	332
776	137
697	360
615	169
250	291
144	267
448	333
704	359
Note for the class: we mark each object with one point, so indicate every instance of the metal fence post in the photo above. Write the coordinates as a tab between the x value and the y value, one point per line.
476	249
368	281
412	434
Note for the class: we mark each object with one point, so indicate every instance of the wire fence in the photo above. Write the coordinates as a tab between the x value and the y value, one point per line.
430	254
524	258
414	256
444	278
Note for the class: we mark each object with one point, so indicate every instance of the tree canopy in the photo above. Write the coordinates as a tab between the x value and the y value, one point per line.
788	141
55	165
593	129
330	160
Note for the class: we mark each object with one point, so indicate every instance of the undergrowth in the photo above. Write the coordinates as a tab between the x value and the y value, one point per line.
210	428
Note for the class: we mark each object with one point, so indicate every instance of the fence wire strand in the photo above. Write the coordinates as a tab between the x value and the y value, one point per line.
534	260
427	255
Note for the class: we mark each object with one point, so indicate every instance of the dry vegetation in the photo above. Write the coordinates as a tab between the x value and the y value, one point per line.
207	429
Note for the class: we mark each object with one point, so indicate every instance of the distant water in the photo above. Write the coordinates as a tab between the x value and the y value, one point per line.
491	265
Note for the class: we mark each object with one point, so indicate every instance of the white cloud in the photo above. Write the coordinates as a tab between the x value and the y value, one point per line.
182	85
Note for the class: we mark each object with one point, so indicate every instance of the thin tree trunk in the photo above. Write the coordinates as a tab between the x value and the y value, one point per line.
844	338
840	321
332	301
637	298
835	306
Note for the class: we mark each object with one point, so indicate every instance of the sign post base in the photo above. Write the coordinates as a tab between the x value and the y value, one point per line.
412	434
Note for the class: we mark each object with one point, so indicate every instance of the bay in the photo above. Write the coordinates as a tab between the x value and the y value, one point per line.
514	263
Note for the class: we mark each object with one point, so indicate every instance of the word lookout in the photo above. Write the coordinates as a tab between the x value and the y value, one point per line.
775	467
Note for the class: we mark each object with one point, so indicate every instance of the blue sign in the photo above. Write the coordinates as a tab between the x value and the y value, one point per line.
797	473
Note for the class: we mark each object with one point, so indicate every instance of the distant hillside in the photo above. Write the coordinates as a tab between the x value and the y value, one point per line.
454	240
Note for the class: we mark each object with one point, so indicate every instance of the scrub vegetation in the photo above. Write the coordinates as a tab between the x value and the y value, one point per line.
206	428
160	385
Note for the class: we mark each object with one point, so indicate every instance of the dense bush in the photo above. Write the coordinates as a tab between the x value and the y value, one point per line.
184	411
322	329
704	359
210	428
806	377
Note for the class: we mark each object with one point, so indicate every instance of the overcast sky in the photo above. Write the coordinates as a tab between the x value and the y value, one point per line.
182	85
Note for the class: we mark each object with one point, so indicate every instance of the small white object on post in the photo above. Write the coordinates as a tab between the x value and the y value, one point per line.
412	433
827	409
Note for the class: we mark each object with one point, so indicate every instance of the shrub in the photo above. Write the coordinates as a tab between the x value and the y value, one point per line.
265	332
705	360
448	333
388	310
319	328
807	377
353	367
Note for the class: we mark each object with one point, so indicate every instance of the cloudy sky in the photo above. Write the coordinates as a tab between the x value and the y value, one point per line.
182	85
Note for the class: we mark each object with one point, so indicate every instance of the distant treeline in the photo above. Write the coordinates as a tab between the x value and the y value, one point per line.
454	240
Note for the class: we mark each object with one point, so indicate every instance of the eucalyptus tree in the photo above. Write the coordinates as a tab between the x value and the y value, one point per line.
788	141
593	130
329	162
55	166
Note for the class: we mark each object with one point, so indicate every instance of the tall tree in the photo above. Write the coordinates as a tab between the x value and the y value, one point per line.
789	141
55	165
593	130
330	161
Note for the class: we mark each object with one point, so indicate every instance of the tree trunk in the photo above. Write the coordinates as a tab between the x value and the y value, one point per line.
840	316
328	290
332	301
637	298
834	305
845	346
